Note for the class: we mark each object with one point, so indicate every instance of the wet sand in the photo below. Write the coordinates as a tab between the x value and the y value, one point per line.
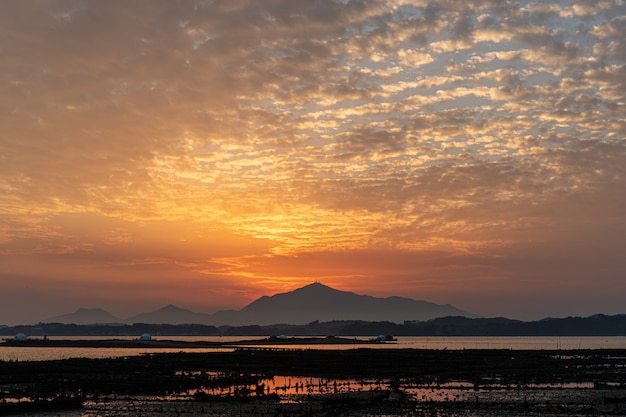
356	382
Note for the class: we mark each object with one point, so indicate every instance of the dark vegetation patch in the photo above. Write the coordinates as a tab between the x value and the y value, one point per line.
63	383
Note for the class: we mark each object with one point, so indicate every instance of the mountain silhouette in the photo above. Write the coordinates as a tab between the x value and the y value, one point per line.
320	302
301	306
86	316
171	314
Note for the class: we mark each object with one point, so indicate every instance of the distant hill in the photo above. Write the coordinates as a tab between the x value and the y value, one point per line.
171	314
597	325
320	302
313	302
85	316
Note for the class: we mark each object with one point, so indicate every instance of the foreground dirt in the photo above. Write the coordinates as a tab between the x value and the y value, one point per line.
359	382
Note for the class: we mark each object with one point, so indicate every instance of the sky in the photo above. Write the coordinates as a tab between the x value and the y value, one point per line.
206	153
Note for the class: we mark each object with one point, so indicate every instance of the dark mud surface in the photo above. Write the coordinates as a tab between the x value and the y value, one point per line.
374	382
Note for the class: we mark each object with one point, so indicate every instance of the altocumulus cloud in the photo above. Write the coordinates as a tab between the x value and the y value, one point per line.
465	152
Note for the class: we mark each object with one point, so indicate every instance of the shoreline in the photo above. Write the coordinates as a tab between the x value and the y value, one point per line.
359	381
169	344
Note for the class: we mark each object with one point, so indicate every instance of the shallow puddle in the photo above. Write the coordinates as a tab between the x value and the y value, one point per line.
286	387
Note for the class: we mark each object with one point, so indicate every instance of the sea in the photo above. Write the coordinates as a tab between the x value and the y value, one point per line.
16	353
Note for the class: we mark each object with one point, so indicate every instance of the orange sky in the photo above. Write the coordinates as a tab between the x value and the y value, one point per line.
207	153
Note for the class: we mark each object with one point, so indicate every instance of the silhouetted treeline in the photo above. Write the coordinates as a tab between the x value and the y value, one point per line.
597	325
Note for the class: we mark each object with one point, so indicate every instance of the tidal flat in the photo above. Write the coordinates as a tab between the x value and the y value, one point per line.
290	382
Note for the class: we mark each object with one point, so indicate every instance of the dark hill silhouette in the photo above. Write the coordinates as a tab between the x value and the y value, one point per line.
320	302
86	316
303	305
171	314
597	325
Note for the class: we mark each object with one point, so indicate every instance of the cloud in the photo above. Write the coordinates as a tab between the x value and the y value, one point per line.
287	129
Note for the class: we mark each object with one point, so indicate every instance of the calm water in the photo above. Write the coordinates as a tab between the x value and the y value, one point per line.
10	353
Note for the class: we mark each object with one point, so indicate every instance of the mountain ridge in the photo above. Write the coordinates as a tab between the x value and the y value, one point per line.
304	304
87	316
170	314
595	325
312	302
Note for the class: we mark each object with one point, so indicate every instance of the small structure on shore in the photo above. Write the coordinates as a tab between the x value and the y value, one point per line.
20	337
145	337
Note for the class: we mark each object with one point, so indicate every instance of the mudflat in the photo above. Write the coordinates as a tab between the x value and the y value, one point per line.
363	381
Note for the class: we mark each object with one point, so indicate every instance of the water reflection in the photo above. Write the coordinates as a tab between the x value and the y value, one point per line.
299	389
13	353
286	388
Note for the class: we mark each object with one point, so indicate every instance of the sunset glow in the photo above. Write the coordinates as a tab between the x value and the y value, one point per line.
205	153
